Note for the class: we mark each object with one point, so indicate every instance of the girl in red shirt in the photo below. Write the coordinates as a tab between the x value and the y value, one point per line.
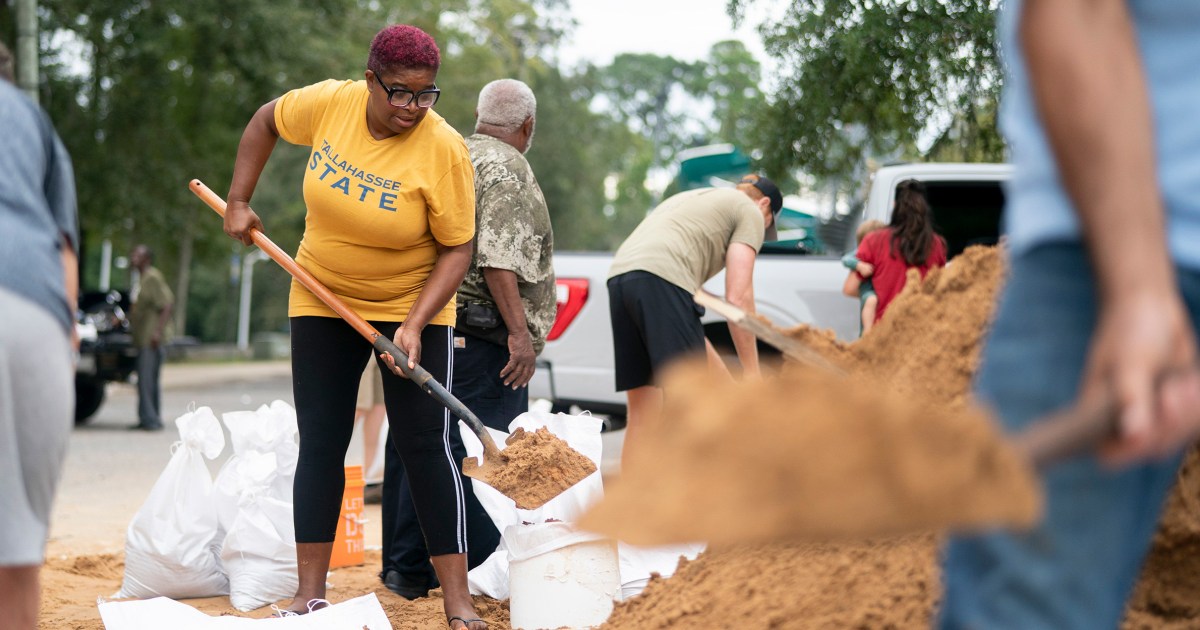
909	242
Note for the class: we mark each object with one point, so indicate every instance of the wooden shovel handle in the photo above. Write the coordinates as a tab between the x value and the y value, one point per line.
382	344
767	332
1067	433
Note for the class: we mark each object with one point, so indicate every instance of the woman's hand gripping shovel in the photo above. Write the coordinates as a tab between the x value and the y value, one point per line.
514	477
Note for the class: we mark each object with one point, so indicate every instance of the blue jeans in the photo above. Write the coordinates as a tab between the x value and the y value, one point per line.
477	383
1078	567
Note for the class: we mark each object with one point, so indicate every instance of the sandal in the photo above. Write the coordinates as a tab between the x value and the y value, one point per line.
466	622
313	604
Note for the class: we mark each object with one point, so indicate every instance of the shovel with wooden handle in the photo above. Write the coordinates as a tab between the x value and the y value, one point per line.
792	348
419	375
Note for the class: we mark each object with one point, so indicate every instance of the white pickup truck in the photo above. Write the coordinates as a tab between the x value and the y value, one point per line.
576	367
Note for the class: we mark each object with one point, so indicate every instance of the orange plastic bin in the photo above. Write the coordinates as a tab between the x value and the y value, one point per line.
348	543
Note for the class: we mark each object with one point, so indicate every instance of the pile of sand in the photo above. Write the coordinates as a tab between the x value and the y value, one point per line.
883	584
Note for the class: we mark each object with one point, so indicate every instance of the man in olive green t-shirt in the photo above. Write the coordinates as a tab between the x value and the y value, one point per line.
150	323
685	241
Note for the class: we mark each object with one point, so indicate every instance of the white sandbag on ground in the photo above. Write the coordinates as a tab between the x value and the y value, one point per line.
259	552
171	546
269	429
638	563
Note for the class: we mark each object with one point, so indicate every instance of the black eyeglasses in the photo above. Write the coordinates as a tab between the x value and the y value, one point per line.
400	97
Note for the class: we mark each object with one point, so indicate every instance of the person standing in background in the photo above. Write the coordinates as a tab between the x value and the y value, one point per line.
150	324
909	242
38	293
506	306
687	239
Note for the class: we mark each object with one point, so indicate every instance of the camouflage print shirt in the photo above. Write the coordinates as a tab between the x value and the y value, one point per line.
512	231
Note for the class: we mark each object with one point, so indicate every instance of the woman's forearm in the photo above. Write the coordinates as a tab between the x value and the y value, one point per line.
447	275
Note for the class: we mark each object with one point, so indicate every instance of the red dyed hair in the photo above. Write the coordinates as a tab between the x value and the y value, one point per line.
403	46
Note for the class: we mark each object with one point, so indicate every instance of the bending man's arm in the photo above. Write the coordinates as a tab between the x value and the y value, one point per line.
739	291
1091	92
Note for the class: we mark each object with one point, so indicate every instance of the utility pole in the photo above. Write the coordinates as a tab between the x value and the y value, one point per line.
27	47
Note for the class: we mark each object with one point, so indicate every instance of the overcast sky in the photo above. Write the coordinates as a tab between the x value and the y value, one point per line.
684	29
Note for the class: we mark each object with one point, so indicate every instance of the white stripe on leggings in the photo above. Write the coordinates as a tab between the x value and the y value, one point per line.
447	423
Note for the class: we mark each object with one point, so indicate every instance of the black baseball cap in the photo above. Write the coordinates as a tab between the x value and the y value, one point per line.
771	191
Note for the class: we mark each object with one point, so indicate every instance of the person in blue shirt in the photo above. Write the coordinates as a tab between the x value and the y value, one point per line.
1103	222
38	289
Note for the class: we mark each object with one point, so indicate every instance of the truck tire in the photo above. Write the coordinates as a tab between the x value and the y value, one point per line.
89	394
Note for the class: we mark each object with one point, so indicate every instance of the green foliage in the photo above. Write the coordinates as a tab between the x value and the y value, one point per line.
864	78
731	79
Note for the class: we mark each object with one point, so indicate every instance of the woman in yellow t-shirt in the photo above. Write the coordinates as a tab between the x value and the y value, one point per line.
391	213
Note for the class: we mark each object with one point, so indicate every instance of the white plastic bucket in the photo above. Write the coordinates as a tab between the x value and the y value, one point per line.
569	587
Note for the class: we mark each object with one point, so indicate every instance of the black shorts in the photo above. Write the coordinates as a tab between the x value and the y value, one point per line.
653	322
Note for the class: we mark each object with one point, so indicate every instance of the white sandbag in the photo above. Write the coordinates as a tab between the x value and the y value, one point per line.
259	552
363	612
637	563
582	433
269	429
260	555
171	546
490	578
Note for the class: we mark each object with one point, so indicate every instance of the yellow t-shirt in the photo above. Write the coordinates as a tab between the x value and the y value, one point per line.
376	208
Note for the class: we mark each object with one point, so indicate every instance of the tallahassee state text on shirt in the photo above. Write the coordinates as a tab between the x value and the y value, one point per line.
370	183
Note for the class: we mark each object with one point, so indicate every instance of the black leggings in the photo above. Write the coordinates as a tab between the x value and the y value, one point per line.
328	358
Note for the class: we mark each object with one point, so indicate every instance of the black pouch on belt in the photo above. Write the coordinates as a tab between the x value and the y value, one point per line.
482	321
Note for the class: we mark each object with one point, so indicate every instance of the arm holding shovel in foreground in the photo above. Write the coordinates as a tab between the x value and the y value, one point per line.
1099	125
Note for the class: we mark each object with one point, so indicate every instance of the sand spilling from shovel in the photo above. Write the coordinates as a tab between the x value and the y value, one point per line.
816	456
534	468
810	456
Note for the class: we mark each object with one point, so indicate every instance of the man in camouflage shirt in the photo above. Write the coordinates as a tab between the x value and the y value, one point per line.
506	306
511	279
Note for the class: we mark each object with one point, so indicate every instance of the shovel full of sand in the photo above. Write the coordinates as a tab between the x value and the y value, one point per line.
812	455
532	470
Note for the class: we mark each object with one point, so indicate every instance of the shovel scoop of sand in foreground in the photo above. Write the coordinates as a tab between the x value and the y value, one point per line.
535	468
811	456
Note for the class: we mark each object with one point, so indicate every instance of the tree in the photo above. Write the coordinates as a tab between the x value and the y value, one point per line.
731	80
865	78
644	91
